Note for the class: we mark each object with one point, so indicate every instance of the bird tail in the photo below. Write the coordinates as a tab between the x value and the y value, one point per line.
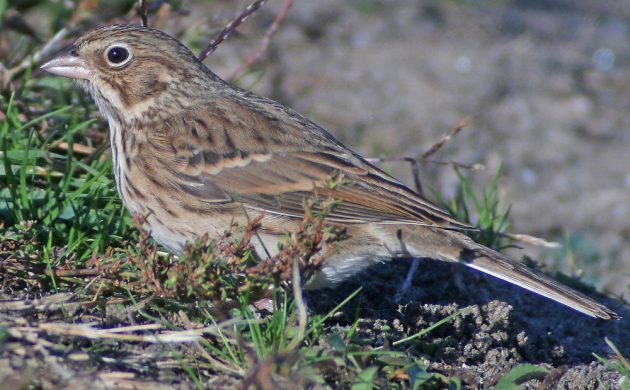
454	246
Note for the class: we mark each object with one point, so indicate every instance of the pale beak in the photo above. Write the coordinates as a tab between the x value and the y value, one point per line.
68	66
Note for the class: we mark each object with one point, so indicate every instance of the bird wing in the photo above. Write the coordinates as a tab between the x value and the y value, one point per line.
272	159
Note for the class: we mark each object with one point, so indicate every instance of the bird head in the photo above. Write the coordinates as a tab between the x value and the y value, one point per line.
129	70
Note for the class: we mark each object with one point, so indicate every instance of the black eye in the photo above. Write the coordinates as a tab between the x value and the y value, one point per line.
117	54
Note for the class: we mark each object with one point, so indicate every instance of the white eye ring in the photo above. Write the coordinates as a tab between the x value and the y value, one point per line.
118	55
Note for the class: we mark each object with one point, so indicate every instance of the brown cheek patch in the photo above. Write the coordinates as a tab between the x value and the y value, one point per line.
149	86
140	80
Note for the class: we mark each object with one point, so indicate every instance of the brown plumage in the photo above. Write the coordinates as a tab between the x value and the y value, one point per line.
193	153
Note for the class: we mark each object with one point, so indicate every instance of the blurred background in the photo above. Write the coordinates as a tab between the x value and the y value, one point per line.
545	84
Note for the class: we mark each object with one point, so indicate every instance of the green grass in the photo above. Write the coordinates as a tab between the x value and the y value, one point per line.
59	203
483	210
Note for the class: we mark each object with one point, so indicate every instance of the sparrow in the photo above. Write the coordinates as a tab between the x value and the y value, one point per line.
193	154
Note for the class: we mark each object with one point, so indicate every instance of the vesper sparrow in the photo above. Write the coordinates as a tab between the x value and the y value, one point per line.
193	153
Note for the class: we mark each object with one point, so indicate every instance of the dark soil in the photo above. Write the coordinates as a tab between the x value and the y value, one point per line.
505	327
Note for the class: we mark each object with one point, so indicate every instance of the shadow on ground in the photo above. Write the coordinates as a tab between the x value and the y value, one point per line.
505	327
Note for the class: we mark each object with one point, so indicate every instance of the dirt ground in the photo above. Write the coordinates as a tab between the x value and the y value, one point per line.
503	327
506	326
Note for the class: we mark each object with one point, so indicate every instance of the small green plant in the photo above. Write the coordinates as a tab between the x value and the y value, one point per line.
481	210
619	363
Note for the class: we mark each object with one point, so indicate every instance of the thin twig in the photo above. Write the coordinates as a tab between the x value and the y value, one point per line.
81	149
531	240
445	138
46	303
455	164
142	8
35	58
48	47
264	43
415	168
414	162
76	272
229	28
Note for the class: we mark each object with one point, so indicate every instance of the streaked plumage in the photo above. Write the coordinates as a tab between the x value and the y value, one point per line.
193	153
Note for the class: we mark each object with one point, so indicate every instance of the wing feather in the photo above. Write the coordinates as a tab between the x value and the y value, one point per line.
279	168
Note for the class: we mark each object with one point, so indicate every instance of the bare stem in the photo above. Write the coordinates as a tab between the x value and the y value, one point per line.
445	138
142	8
229	28
414	162
264	43
35	58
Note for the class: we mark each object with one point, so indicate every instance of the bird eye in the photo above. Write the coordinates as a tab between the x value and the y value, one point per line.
117	55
